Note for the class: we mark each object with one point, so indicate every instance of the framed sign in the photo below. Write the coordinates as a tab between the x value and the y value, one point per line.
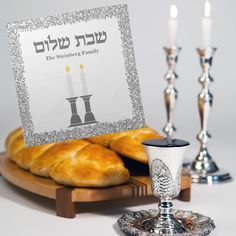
75	75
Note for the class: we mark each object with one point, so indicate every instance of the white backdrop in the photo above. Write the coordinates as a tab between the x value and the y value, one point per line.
149	30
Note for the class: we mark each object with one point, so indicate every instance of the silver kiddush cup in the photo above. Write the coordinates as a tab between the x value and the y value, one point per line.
165	159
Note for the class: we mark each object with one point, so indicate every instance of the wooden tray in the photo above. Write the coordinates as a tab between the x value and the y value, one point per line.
66	197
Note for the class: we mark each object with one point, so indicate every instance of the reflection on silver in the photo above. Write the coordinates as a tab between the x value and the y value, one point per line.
163	184
203	168
165	162
141	223
170	92
165	188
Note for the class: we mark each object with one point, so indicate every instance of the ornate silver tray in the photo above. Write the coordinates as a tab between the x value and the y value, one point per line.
140	223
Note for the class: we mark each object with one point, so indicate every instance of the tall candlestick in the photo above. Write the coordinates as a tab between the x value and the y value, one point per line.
69	82
173	25
207	26
203	168
171	93
83	81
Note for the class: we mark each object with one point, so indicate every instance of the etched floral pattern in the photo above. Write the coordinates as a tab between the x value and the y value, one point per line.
163	184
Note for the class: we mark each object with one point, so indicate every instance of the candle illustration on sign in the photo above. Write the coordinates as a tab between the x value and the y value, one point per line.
69	82
89	117
75	118
84	87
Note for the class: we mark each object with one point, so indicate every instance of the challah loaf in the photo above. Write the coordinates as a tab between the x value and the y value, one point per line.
128	143
76	163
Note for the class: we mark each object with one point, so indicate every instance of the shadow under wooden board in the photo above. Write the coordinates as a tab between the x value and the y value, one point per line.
66	197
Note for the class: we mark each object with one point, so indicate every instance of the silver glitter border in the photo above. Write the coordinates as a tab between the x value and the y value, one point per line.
120	12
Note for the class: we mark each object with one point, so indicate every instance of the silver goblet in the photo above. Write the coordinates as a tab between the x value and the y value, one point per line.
165	162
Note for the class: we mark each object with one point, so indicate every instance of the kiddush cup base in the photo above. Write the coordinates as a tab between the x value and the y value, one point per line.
165	222
169	225
142	223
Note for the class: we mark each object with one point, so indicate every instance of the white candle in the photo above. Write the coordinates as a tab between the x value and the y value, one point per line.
207	26
173	25
83	80
69	82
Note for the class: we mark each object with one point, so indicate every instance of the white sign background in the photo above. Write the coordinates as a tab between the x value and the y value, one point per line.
41	78
46	79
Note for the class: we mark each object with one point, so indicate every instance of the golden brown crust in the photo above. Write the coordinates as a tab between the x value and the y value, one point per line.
17	151
15	146
128	143
106	139
25	157
70	163
79	162
60	151
12	137
131	145
102	168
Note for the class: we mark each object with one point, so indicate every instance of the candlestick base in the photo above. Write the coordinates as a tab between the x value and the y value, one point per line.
75	123
75	118
89	117
218	176
205	170
90	122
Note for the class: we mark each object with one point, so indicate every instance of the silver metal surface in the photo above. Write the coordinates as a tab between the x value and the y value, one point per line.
170	93
203	168
218	176
165	171
141	223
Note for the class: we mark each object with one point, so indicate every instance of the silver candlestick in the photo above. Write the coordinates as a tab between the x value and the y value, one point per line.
170	93
203	168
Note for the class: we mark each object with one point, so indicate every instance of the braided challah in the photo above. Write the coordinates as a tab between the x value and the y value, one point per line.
91	162
128	143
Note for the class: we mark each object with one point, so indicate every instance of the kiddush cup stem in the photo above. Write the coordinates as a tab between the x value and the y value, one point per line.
165	208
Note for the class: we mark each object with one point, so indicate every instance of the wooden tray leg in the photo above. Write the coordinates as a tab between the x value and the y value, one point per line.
64	205
185	195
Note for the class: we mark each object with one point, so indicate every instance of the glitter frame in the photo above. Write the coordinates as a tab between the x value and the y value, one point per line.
120	12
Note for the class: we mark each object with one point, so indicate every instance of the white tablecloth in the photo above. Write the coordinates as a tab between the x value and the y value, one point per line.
25	214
